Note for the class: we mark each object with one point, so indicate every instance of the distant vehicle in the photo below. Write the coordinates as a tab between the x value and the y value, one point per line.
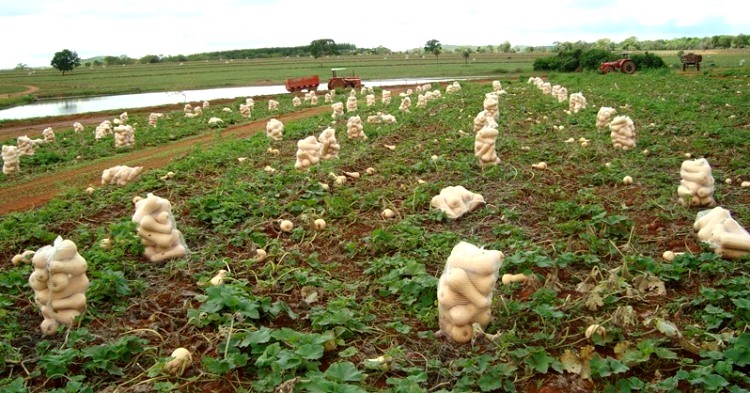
305	83
342	82
691	60
625	65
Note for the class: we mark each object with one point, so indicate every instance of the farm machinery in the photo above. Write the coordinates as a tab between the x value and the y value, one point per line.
624	65
342	82
309	83
304	83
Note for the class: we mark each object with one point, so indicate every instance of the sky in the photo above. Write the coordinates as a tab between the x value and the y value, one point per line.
33	30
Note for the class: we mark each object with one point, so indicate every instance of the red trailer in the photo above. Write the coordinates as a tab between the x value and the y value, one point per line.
307	83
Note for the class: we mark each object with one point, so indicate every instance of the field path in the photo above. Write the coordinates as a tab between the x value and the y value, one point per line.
30	89
36	191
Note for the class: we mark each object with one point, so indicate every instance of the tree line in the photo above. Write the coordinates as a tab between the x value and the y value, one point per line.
66	61
239	54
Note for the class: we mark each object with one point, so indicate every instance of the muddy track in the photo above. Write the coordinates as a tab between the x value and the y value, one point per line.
34	192
30	89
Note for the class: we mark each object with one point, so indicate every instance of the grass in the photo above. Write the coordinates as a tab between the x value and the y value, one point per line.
326	304
139	78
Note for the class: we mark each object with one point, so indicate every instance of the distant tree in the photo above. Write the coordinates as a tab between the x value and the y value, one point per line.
434	47
466	53
65	60
741	41
21	67
150	59
630	43
505	47
322	47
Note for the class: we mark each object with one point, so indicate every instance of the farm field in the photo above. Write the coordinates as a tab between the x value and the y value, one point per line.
139	78
352	307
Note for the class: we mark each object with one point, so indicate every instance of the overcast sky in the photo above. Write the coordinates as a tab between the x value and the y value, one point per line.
33	30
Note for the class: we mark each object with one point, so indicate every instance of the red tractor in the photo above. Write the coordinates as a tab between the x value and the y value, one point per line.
342	82
625	65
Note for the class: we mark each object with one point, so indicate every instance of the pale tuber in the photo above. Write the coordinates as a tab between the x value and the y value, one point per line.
219	278
181	359
511	278
286	226
455	201
59	282
320	224
595	329
157	229
465	290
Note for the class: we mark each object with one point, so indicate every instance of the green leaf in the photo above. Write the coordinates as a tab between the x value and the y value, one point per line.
348	352
344	372
714	381
288	359
742	303
616	366
488	382
260	336
548	311
539	361
15	386
310	351
665	353
216	366
739	355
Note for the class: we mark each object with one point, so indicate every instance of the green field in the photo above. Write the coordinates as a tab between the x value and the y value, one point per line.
325	305
197	75
138	78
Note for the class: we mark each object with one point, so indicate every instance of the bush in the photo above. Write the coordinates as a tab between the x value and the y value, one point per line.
564	61
592	59
647	60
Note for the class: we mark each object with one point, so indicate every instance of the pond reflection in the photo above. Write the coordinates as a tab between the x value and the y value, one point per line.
72	106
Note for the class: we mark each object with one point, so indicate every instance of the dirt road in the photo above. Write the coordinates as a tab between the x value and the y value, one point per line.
39	190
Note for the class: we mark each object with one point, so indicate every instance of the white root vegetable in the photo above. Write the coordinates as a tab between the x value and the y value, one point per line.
286	226
219	278
622	132
595	329
320	224
455	201
157	229
465	290
511	278
181	359
388	213
484	146
59	282
308	153
275	129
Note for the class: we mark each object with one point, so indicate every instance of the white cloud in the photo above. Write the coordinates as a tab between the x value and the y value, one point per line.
35	29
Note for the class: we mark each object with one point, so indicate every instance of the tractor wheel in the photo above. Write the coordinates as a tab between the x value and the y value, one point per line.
628	67
337	84
607	70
